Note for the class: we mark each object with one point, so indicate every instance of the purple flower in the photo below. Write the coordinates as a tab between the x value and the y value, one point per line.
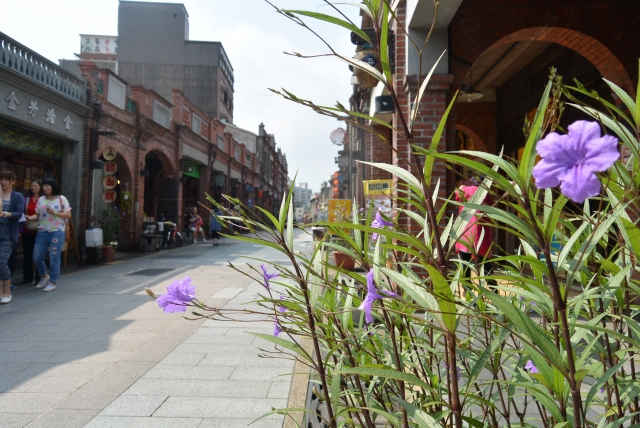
372	294
267	276
458	369
179	294
530	367
571	160
379	223
281	308
276	328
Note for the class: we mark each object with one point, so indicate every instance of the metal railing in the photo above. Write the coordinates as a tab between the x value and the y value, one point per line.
25	61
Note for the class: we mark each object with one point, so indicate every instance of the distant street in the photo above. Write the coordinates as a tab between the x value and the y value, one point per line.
98	352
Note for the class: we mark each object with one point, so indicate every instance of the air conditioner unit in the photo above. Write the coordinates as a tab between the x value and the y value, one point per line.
384	104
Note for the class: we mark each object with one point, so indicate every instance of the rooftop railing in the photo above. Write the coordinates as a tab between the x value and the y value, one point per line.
25	61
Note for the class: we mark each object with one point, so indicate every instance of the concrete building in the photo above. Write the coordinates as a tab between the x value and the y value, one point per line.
154	51
302	196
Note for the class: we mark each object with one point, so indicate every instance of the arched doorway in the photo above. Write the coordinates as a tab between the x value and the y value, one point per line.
161	187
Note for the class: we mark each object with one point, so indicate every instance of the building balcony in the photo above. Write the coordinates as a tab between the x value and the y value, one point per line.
25	61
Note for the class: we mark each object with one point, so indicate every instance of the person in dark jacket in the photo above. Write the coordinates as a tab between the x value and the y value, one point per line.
12	211
215	226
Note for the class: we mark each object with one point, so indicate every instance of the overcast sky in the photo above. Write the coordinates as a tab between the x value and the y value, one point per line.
254	37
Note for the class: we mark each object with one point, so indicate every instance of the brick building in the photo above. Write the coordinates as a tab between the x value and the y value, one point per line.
498	53
169	155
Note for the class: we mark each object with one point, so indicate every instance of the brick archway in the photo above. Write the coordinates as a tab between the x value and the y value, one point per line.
592	49
165	159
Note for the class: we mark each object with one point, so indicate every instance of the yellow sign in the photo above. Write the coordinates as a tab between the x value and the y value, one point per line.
378	195
339	210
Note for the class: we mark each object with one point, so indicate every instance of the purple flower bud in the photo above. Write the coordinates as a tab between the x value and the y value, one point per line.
530	367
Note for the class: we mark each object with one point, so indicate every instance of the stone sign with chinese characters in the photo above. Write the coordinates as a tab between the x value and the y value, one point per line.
41	110
104	45
109	182
109	196
110	168
109	153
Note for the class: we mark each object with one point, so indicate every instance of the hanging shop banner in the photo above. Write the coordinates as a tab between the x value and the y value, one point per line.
110	168
339	210
109	153
109	196
109	182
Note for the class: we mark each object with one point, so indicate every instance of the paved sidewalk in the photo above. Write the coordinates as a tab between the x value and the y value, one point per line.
98	352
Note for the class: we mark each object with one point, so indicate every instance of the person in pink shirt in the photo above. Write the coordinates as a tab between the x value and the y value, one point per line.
475	242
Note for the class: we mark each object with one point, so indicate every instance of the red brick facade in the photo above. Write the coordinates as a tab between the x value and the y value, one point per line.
137	135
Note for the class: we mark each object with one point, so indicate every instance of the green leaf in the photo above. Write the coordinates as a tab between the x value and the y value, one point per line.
282	342
384	42
435	141
423	87
602	381
444	295
332	20
532	331
633	232
388	373
398	172
626	99
529	155
423	419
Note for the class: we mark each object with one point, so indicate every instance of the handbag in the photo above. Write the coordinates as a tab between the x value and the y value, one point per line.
31	225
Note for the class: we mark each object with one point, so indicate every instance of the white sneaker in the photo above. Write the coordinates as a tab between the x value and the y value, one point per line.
43	282
195	241
204	241
5	300
50	287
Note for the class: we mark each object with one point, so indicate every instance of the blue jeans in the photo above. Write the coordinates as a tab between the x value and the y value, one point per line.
51	242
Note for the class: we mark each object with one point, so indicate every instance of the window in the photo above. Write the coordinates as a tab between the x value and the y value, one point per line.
221	143
161	114
116	92
247	160
196	124
237	153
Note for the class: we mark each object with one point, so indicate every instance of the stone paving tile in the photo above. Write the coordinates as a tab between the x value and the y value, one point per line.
240	423
189	372
274	374
144	405
178	359
66	384
219	408
279	390
31	402
16	420
56	418
139	422
200	388
243	360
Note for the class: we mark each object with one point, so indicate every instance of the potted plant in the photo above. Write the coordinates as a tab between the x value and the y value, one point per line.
109	221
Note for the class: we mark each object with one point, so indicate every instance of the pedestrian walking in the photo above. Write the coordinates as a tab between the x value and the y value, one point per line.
52	213
12	211
214	225
29	231
195	225
475	242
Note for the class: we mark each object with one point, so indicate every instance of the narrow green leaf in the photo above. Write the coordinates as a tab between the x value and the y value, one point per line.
282	342
626	99
400	173
388	373
633	232
423	419
332	20
527	327
444	295
435	141
529	155
423	87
